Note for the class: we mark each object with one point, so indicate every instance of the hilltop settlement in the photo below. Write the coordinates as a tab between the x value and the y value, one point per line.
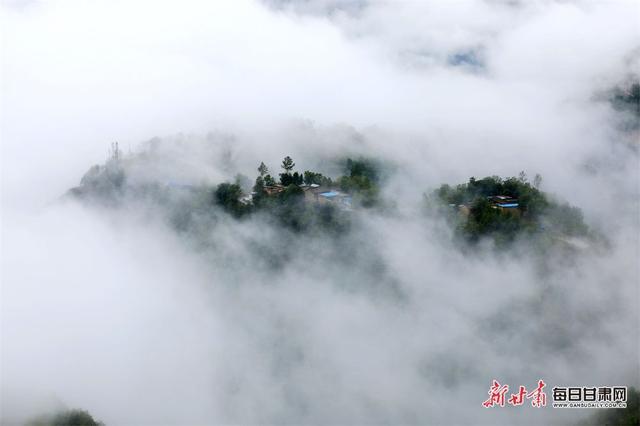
501	210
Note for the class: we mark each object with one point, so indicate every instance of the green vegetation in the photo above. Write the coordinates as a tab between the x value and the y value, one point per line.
287	179
503	209
66	418
495	208
287	164
362	178
314	178
263	169
102	183
293	202
627	101
629	416
227	195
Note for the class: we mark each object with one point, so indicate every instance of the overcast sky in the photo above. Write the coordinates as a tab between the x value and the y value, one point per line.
100	310
77	76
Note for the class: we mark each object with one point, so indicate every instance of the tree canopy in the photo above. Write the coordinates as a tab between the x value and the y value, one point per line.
263	169
73	417
288	164
227	195
470	208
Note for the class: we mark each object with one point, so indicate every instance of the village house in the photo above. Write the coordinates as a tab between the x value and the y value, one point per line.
505	204
274	189
323	195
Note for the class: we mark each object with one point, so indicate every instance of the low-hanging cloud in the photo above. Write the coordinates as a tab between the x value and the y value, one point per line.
113	311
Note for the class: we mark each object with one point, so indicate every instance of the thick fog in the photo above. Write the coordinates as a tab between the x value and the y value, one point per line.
112	310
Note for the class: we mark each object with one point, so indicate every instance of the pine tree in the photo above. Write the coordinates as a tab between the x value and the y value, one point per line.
263	169
288	164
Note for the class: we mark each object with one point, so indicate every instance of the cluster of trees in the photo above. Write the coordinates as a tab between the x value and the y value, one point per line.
531	200
288	176
281	197
628	100
73	417
361	179
536	212
629	416
227	195
287	205
103	183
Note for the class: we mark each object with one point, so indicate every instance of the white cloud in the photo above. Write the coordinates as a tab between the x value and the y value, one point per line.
102	309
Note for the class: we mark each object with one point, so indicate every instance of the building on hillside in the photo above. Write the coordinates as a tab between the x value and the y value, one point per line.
311	192
273	190
505	204
324	195
337	198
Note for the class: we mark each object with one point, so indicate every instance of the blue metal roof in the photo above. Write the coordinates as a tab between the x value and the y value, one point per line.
329	194
508	205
